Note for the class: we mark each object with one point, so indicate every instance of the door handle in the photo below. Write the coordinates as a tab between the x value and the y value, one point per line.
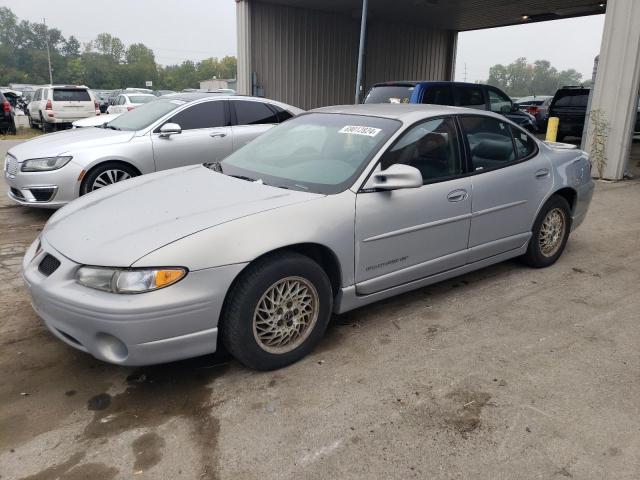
542	173
457	195
217	134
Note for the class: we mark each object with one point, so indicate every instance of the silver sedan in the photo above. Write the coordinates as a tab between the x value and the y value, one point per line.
172	131
332	210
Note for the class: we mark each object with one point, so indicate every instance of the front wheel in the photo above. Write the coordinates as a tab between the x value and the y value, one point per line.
105	175
277	311
550	233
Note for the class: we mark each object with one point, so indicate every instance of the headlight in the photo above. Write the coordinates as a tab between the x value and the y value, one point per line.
134	280
44	164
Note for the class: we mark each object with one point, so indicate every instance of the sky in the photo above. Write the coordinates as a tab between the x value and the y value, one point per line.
198	29
570	43
174	30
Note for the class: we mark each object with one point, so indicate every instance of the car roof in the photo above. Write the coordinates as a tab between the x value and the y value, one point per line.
413	83
406	113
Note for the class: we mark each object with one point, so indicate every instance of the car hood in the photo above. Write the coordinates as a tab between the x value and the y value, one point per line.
117	225
68	141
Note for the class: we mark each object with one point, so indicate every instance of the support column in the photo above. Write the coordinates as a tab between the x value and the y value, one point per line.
615	96
361	49
243	22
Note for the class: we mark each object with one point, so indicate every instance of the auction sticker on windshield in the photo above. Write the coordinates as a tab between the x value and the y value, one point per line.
357	130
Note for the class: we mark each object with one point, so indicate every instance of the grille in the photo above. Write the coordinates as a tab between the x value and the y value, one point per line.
48	265
11	165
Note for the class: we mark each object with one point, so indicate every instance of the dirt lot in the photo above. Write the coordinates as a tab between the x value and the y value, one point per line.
506	373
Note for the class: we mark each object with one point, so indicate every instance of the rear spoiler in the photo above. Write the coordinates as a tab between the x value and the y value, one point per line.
561	146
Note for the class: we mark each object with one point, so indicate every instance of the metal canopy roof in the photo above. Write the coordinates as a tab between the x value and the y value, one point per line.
457	15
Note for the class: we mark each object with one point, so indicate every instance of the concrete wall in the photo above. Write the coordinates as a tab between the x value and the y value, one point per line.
308	58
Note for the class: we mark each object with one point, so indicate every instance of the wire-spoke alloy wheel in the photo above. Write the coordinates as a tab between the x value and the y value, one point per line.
276	310
552	232
285	315
109	177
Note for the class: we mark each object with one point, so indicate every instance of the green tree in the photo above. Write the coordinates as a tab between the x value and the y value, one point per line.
521	79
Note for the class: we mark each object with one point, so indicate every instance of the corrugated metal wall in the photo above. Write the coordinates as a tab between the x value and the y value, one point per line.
308	58
303	57
405	52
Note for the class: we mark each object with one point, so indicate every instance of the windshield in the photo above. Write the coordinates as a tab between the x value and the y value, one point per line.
141	98
317	152
390	94
144	115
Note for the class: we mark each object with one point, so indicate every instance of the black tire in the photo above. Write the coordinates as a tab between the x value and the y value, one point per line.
44	126
535	256
237	320
32	124
90	178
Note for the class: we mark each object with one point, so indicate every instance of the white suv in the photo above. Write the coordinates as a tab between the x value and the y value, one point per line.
60	105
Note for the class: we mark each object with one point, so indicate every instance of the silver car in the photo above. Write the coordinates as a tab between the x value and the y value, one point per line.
172	131
330	211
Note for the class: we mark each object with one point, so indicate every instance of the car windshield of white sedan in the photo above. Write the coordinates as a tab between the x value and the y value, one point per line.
144	115
141	98
317	152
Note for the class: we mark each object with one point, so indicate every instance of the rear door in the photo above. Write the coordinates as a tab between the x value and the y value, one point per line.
249	119
71	104
206	136
509	179
570	105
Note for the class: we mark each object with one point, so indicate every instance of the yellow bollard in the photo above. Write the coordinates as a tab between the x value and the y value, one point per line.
552	129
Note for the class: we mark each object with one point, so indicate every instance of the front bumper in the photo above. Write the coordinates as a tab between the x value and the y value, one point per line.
52	189
169	324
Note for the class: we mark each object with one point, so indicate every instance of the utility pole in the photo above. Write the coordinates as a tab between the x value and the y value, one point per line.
465	71
361	49
46	33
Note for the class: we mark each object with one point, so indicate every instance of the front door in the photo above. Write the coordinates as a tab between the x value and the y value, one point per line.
405	235
510	181
206	136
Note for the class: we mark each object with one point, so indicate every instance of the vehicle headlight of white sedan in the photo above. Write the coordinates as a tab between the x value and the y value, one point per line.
330	211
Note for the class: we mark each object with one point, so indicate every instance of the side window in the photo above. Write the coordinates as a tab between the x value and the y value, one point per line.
438	96
490	142
202	115
525	145
470	97
253	113
431	147
498	102
283	115
122	100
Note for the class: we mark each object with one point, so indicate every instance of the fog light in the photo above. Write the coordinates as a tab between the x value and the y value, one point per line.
111	348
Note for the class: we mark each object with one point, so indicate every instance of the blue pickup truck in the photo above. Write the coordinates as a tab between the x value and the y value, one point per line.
459	94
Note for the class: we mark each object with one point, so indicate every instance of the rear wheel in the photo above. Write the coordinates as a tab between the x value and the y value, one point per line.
277	311
106	174
550	233
44	126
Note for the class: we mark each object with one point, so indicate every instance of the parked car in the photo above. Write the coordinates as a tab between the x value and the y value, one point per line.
57	106
160	93
97	121
324	213
534	105
7	116
183	129
569	104
470	95
126	102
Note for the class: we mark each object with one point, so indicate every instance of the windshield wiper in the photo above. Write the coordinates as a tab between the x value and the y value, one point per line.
215	166
106	125
242	177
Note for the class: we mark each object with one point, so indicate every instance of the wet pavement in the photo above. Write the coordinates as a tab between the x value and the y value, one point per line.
504	373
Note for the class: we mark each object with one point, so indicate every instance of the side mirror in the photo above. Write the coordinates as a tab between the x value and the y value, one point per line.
396	177
169	129
514	108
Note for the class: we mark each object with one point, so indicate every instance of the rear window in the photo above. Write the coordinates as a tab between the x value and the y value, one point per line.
571	98
71	95
390	94
140	98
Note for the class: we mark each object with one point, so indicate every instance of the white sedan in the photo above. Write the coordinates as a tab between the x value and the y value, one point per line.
128	101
